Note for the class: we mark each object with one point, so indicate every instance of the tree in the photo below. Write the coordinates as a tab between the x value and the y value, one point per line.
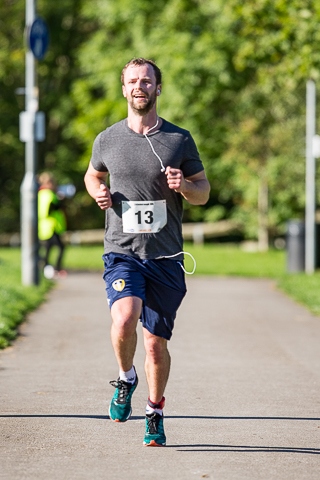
11	78
59	153
266	134
234	75
190	41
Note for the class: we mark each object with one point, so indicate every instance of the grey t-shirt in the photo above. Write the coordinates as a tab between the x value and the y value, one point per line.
135	175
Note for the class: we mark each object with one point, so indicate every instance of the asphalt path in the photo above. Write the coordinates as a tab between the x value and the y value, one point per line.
242	400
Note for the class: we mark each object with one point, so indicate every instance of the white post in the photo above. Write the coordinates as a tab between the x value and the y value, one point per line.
29	216
310	178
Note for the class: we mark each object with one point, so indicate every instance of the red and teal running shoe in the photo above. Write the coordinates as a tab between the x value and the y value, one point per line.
155	436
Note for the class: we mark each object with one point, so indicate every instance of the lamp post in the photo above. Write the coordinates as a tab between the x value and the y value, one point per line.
31	131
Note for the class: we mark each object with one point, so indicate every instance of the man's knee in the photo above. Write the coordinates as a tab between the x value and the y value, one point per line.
125	314
156	347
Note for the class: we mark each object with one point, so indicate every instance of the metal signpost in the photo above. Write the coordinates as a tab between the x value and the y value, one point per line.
312	152
310	178
31	131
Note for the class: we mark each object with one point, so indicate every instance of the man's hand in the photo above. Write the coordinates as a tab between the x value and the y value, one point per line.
175	179
195	189
103	197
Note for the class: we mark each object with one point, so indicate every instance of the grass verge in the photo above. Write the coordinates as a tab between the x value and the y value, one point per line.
212	259
16	301
303	288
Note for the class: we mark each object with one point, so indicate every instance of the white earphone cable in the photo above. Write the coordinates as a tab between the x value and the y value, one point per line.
185	253
162	170
153	150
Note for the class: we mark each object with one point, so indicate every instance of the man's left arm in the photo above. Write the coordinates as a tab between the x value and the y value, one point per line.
195	189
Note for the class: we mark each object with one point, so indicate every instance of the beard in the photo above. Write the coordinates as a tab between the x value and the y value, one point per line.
145	107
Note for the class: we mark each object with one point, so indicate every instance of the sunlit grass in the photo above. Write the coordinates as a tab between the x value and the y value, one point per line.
15	300
305	289
219	259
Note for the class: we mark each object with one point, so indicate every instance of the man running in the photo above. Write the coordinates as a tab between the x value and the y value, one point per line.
150	166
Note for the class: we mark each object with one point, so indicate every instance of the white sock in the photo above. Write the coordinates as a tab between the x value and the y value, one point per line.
128	376
150	410
155	407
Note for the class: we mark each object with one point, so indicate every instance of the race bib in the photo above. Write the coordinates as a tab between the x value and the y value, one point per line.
144	216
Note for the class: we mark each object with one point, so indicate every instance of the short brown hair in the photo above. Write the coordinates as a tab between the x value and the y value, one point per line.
143	61
45	178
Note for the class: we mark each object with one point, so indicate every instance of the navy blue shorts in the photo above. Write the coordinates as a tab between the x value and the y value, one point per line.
159	283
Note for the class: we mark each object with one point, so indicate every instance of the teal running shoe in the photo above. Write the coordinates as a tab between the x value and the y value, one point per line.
155	436
120	407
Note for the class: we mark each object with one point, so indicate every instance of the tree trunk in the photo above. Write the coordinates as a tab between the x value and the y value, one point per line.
263	201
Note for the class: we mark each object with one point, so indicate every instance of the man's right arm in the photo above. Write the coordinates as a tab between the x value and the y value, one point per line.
95	183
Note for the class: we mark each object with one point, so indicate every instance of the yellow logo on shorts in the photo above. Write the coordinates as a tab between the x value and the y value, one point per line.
119	285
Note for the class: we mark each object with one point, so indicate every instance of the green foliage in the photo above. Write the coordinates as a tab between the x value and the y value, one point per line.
266	132
11	78
234	75
213	214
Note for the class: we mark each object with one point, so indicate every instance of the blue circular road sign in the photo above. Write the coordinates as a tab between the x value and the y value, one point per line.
38	38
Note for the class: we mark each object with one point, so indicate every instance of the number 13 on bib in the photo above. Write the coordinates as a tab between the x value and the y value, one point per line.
144	216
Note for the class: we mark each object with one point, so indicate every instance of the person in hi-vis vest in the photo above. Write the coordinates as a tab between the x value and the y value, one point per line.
51	223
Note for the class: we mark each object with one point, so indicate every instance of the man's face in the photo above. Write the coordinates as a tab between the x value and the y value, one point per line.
140	88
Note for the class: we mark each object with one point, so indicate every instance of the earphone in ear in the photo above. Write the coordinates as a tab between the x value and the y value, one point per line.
158	91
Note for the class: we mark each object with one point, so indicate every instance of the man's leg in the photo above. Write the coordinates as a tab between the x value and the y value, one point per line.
125	314
157	367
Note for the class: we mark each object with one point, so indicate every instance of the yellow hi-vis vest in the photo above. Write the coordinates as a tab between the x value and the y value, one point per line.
49	222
